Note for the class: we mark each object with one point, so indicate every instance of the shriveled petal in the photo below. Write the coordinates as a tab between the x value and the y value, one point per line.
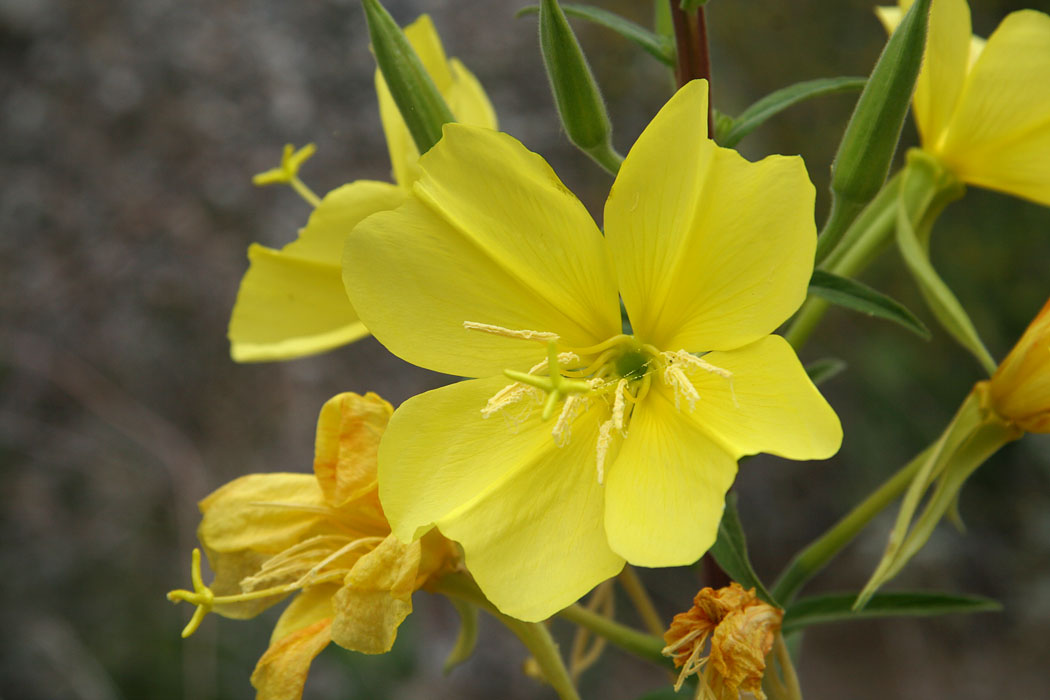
527	513
250	519
666	490
768	405
1000	135
292	302
711	251
490	236
282	670
461	90
376	597
348	432
944	65
310	606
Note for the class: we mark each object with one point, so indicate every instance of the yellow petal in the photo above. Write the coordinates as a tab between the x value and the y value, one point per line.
768	405
711	251
282	670
292	302
250	519
491	236
460	89
666	490
376	597
1000	134
527	513
310	606
348	432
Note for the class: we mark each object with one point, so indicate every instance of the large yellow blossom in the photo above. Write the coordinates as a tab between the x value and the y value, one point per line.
983	108
322	536
291	301
607	446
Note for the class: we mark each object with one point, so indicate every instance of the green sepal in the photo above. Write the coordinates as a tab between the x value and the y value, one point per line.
776	102
730	551
860	297
416	96
656	45
838	607
974	435
870	140
576	94
917	183
468	634
824	369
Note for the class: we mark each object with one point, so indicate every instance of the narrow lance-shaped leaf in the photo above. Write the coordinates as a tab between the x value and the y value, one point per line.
576	93
837	607
416	96
730	551
659	47
860	297
776	102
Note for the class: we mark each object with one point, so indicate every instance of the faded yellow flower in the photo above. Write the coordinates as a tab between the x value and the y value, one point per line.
323	537
1020	389
741	630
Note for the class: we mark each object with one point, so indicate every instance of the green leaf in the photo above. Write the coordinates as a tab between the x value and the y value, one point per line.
837	607
939	297
416	96
659	47
824	369
730	551
776	102
468	634
860	297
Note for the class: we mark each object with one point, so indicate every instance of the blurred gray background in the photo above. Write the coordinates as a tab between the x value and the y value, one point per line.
130	130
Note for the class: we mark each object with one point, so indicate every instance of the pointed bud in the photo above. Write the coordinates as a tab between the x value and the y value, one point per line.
1020	389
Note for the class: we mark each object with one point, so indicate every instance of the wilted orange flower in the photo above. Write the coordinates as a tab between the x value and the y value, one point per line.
1019	391
741	629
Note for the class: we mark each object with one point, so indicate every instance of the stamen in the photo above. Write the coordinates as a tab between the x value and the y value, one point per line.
699	363
523	334
605	344
570	410
620	406
676	378
555	385
605	436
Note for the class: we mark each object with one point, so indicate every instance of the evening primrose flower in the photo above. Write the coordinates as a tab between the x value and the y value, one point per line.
1019	391
741	629
605	446
983	108
291	301
322	537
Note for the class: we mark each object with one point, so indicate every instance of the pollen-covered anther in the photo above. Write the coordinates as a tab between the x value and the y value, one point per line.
619	418
601	450
570	410
517	392
677	380
699	363
521	334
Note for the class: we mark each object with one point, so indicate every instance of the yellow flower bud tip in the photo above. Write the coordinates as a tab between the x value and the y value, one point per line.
741	629
1019	391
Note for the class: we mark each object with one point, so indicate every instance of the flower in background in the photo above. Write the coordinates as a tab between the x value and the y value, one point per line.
741	629
291	301
606	446
322	537
1019	391
983	107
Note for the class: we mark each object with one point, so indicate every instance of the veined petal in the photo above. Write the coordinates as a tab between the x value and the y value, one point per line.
292	302
1000	135
461	90
937	89
282	670
711	251
376	597
310	606
666	490
348	432
528	513
768	404
490	236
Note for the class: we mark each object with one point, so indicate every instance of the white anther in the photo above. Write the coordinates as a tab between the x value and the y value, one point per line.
620	406
507	396
699	363
523	334
676	378
605	438
562	431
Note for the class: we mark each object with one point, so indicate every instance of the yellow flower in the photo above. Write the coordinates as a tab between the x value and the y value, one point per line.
494	265
291	301
323	537
741	629
983	108
1019	391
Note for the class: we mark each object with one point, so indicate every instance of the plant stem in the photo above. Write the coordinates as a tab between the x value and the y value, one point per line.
693	58
632	585
642	645
813	558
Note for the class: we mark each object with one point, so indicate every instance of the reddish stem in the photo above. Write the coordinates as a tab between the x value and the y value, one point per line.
693	56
